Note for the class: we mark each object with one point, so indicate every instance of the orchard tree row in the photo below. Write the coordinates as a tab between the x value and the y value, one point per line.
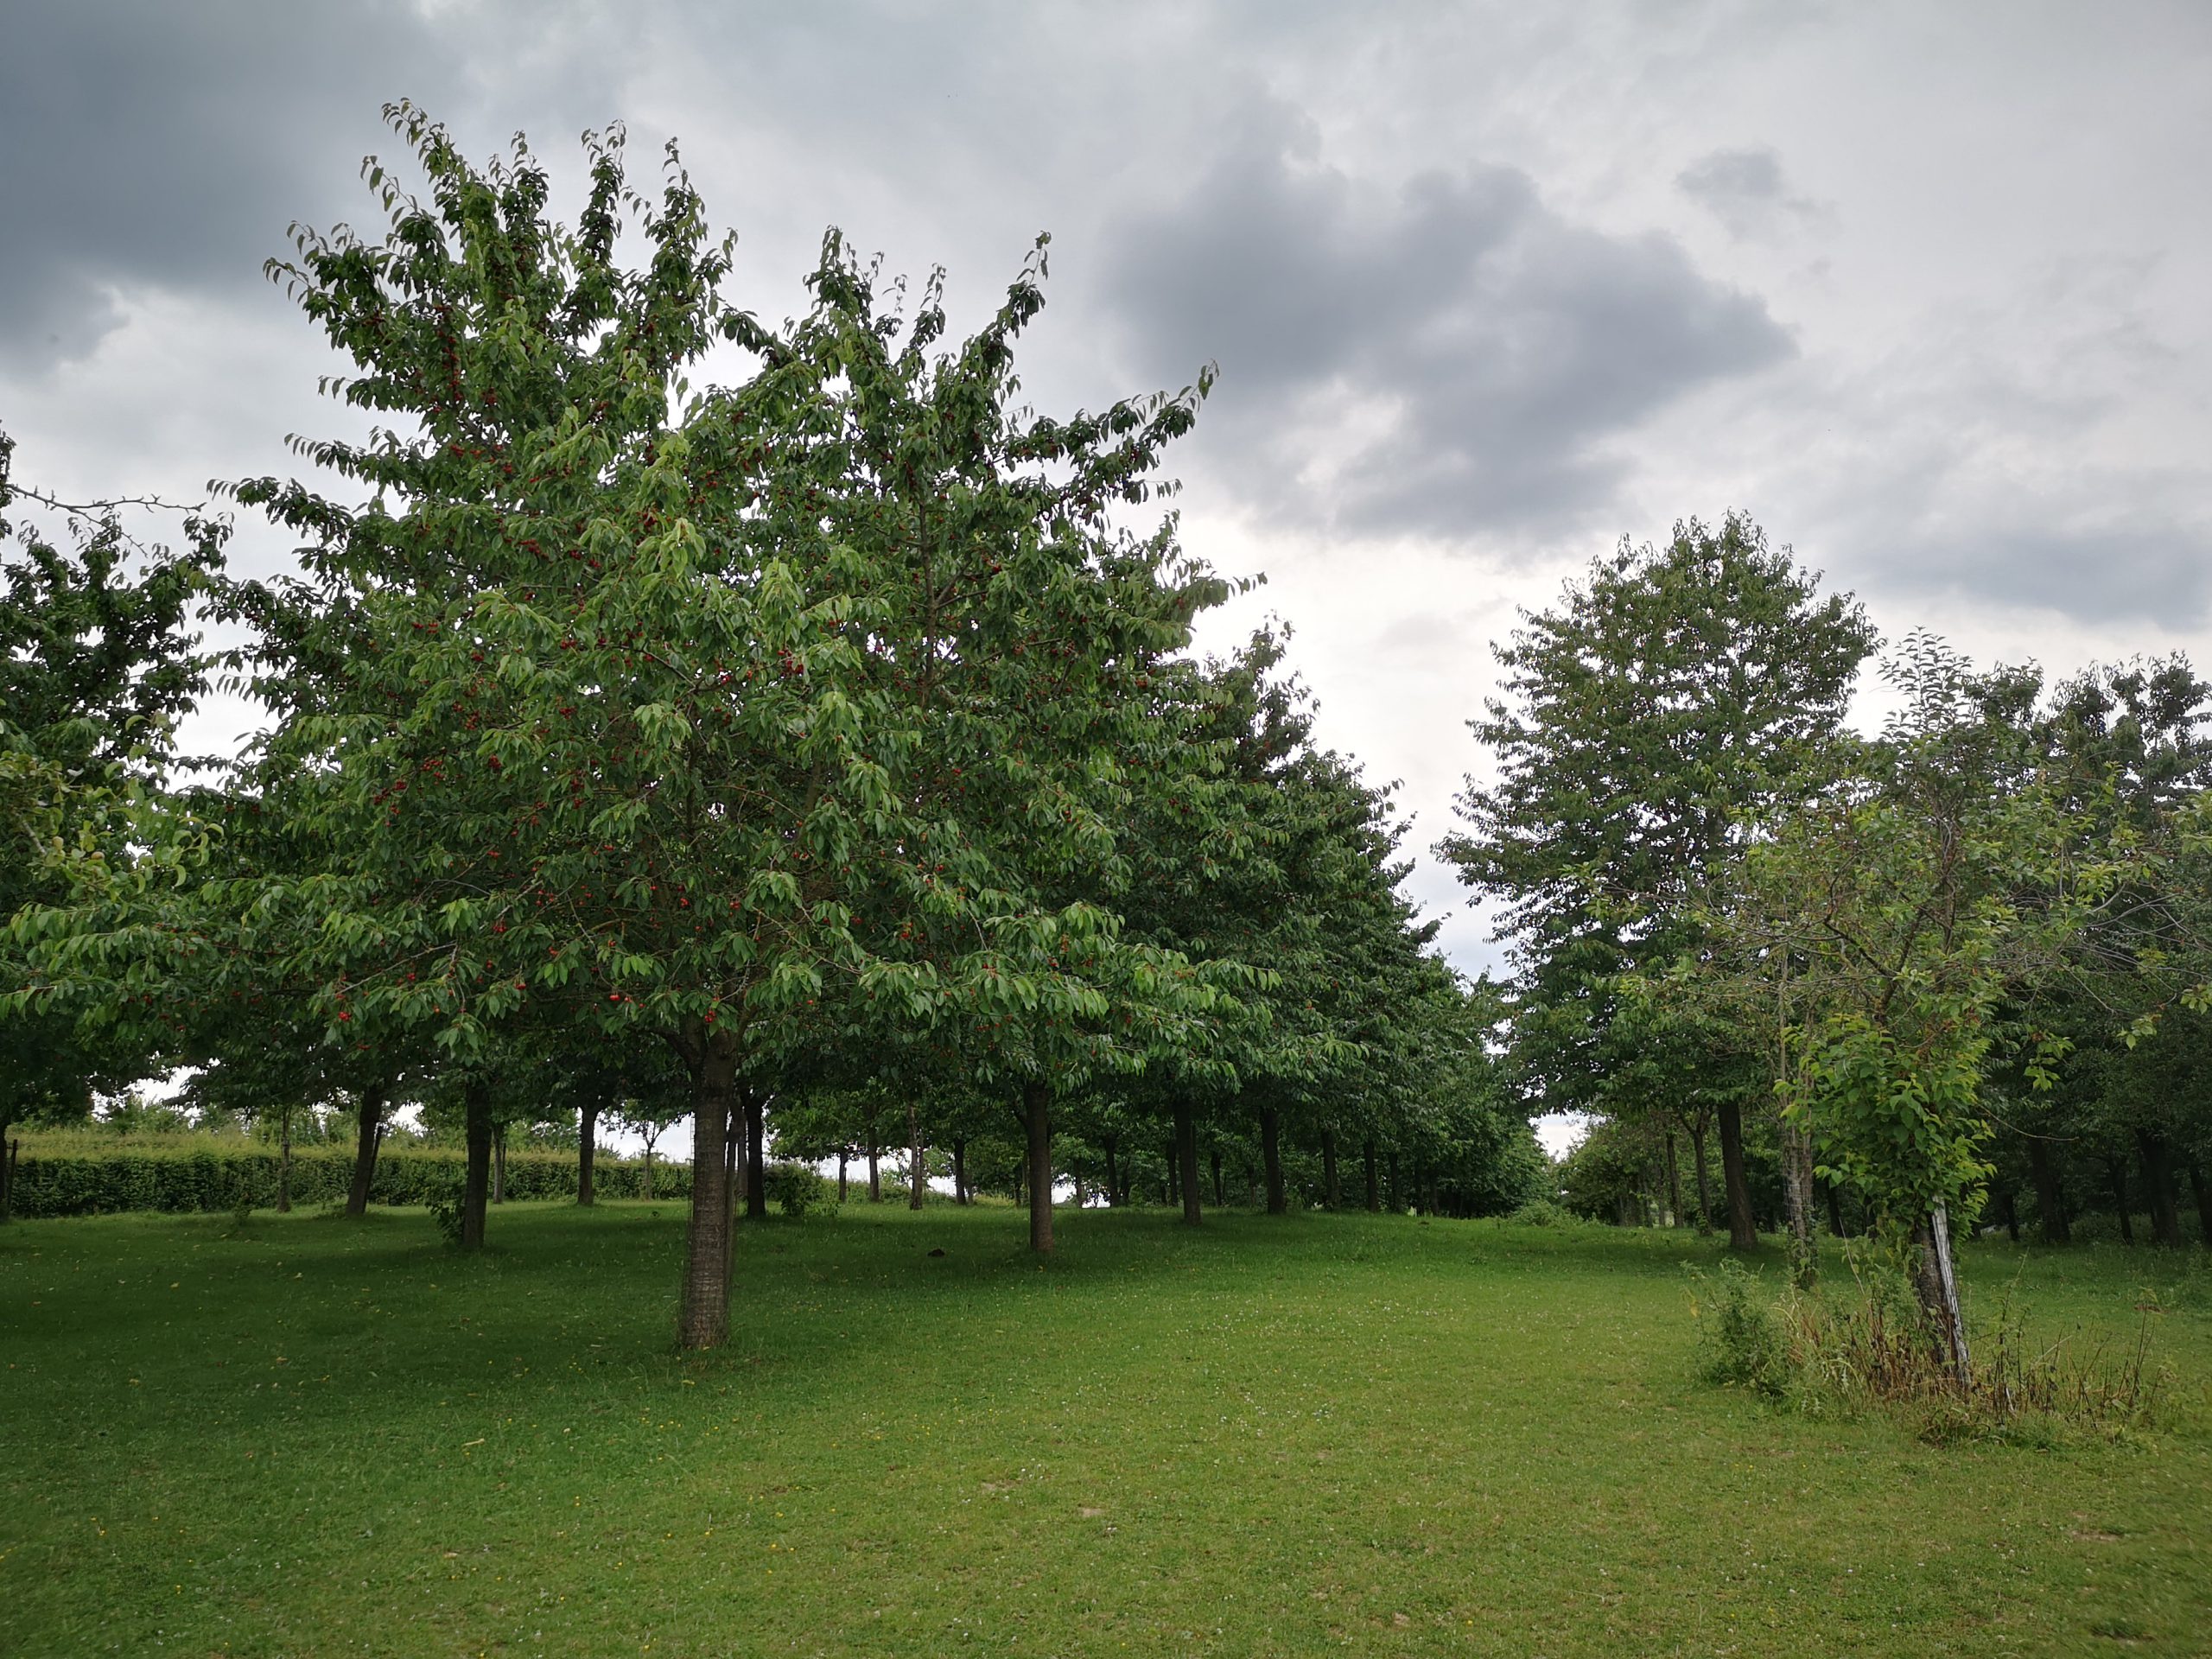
1959	960
816	753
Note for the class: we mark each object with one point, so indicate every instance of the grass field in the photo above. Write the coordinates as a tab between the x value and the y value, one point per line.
1286	1436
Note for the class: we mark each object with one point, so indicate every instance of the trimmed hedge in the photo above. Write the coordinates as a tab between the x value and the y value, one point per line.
200	1175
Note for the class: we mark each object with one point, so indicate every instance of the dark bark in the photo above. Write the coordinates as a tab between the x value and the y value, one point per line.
1271	1154
1112	1173
1037	1106
1936	1284
1331	1188
918	1179
1374	1188
2009	1208
1835	1210
368	1138
1186	1163
875	1174
476	1182
1743	1233
284	1162
2051	1220
1674	1185
703	1318
2118	1169
960	1169
2158	1184
499	1163
840	1174
756	1155
587	1154
733	1180
1174	1171
2196	1189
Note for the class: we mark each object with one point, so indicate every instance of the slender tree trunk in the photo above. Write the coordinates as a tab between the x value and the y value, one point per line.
1219	1198
284	1160
1331	1188
1113	1174
1743	1233
2159	1182
2010	1209
1174	1170
1374	1188
1704	1179
1037	1105
1797	1179
756	1154
1674	1185
875	1174
476	1182
649	1167
1021	1167
960	1169
1835	1210
367	1136
918	1162
1186	1163
2051	1220
1938	1285
703	1318
2196	1189
499	1163
1271	1152
732	1181
841	1175
587	1152
2117	1167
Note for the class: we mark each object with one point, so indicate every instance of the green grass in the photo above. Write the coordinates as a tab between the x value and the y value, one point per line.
1279	1436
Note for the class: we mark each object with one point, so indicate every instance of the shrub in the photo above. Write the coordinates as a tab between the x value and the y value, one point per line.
798	1190
86	1175
1543	1212
1740	1334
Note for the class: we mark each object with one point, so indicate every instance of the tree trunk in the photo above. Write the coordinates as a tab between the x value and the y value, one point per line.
1797	1186
733	1182
499	1163
2159	1182
1219	1198
1037	1104
2118	1167
1333	1191
1704	1179
841	1175
2196	1188
960	1169
1113	1174
1186	1162
875	1174
1674	1185
1937	1284
1835	1210
1374	1188
1271	1153
368	1138
476	1182
586	1154
2052	1221
2010	1209
703	1320
918	1174
1174	1170
649	1169
284	1160
1743	1234
756	1155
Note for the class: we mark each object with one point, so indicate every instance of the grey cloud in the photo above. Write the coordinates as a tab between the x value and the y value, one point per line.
1744	190
1441	358
153	145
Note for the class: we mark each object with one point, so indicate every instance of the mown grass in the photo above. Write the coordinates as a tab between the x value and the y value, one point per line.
1280	1436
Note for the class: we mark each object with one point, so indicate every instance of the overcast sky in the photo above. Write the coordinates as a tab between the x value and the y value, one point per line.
1922	288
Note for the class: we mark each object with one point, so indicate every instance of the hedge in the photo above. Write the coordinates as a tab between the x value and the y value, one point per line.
197	1176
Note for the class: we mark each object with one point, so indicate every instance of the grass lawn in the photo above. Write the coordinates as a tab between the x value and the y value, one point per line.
1288	1436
